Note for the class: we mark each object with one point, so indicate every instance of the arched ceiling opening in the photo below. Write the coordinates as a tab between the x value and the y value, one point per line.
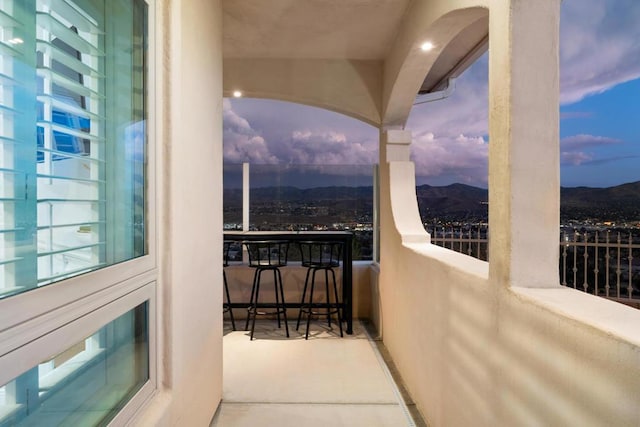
355	58
458	38
462	51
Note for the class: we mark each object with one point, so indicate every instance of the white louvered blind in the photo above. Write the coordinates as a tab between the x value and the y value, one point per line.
70	171
72	138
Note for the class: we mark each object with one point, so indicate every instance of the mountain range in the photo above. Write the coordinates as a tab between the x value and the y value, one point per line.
456	201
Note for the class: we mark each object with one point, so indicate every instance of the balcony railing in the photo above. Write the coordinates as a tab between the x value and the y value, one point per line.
468	240
605	263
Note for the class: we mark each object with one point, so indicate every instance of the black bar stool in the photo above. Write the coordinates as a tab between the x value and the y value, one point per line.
227	306
320	256
267	255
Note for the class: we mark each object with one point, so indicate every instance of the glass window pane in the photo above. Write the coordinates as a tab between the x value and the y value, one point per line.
72	169
88	383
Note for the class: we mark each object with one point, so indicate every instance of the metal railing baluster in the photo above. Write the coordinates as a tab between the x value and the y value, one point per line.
596	269
607	258
575	260
564	259
585	284
618	268
630	287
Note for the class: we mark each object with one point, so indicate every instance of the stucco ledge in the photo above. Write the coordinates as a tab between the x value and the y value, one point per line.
612	318
452	259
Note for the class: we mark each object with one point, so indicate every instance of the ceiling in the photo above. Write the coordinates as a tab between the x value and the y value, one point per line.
341	29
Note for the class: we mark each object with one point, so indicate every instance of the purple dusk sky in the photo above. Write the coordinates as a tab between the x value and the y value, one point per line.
600	114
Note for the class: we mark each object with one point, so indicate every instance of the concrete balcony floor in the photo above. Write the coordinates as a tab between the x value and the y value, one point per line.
323	381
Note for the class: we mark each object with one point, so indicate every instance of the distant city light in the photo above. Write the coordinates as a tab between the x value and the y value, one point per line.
426	46
237	94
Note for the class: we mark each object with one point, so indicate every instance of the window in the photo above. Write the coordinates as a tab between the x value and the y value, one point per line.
73	199
72	138
87	383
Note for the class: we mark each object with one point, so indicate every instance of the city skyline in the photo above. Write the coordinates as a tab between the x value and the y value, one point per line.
599	130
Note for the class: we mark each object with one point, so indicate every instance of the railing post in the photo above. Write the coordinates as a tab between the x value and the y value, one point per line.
245	207
376	213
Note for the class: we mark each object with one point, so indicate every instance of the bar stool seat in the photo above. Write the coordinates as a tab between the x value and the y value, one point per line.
226	307
320	256
267	255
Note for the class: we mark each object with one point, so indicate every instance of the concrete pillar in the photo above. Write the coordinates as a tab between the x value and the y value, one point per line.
524	171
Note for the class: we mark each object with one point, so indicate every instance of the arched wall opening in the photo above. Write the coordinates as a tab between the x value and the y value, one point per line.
296	168
450	150
449	130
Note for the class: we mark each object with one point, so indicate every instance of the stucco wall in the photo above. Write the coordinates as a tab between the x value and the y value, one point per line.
189	113
474	353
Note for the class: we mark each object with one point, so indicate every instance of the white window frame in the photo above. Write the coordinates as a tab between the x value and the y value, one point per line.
42	322
60	339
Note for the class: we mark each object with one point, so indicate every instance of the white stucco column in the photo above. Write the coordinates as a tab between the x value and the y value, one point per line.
400	183
395	145
524	172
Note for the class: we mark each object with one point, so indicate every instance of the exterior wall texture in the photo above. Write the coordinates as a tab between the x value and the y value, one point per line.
190	226
472	348
500	343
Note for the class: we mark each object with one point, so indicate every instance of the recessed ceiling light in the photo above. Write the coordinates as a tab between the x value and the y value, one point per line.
16	40
237	94
426	46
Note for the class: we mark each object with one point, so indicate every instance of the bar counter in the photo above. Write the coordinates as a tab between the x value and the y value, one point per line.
345	237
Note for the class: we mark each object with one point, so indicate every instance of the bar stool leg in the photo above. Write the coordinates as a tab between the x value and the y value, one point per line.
275	286
253	290
304	294
226	290
255	304
326	286
335	292
284	307
313	282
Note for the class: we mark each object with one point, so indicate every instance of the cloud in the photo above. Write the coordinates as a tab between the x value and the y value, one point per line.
575	158
462	158
449	135
571	148
465	111
326	147
599	46
577	142
241	142
610	160
575	115
308	136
